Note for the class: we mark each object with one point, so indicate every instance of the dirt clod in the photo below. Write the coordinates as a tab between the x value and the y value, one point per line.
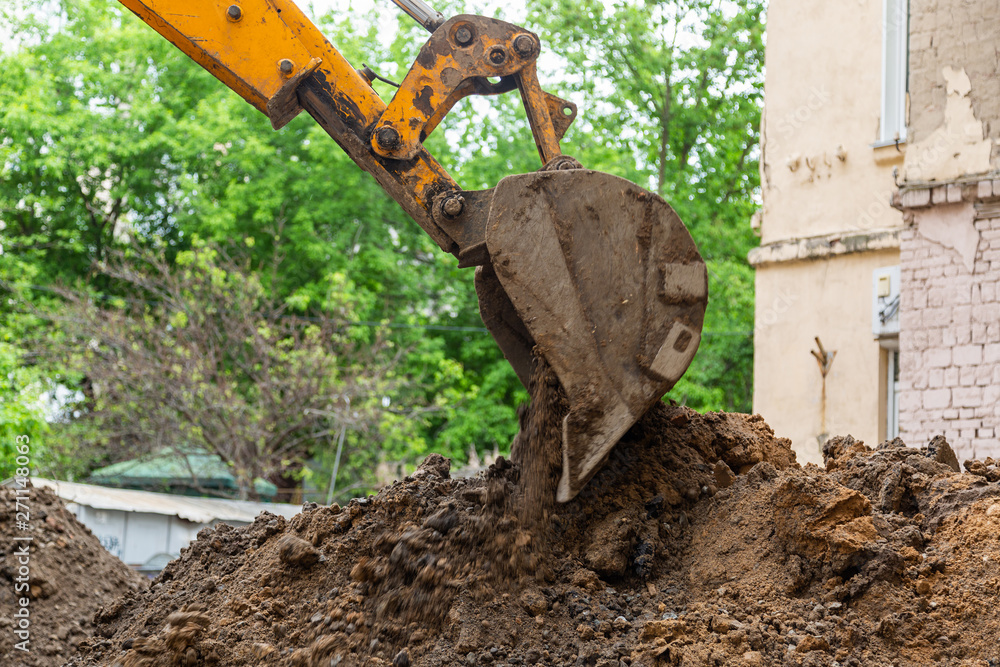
294	550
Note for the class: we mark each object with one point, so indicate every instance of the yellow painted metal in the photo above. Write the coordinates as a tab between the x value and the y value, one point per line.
446	70
536	106
246	53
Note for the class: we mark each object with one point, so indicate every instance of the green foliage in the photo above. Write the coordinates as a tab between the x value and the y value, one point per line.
198	355
109	134
22	386
21	411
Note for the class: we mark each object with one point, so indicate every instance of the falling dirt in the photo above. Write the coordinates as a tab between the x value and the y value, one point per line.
701	542
69	576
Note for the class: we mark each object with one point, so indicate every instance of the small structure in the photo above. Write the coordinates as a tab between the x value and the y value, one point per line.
145	529
187	472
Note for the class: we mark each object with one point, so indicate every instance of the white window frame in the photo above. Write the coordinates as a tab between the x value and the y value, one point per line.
892	394
895	61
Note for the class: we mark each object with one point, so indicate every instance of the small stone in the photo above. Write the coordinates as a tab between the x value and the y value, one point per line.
923	587
434	465
294	550
668	630
402	659
811	643
586	579
939	450
993	510
534	602
585	631
724	476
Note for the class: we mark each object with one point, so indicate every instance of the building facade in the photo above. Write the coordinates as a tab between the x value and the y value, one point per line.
832	135
877	312
950	246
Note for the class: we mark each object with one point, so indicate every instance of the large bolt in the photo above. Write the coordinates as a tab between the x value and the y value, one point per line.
498	56
387	137
463	36
453	206
234	13
524	45
286	66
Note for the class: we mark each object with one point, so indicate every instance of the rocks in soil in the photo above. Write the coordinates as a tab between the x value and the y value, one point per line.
701	542
293	550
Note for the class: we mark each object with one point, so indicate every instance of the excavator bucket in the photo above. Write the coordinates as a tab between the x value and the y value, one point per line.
604	278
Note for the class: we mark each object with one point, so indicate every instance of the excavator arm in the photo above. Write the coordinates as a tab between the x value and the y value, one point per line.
597	274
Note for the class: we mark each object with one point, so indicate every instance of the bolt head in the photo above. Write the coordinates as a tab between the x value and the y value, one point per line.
235	13
454	205
286	66
387	137
498	56
463	36
525	45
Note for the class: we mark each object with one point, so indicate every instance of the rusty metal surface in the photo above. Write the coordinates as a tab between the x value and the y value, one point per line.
284	104
413	183
562	112
611	287
453	63
467	227
504	323
536	107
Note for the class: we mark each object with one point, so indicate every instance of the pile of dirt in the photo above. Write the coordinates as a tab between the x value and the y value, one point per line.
701	542
69	576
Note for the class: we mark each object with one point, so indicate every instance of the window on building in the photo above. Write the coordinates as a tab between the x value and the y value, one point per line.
892	395
895	39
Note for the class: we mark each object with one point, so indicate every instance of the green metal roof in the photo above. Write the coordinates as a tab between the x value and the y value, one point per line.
170	469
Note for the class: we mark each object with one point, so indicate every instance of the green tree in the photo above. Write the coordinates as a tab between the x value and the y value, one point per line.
22	386
109	134
198	354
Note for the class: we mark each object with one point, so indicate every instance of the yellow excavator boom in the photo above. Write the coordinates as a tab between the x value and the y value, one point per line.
591	271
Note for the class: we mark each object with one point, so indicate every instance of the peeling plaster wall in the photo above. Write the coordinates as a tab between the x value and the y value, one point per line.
950	250
950	330
822	104
961	36
826	220
958	146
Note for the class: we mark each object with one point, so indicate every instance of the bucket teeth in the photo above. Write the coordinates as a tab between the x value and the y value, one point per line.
609	285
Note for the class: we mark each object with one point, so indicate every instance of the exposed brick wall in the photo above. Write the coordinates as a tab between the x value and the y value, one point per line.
955	33
950	343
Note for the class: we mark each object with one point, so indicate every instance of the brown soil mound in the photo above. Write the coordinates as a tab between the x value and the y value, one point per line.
70	576
701	542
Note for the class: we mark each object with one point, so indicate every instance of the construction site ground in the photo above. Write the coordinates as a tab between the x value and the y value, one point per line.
701	542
